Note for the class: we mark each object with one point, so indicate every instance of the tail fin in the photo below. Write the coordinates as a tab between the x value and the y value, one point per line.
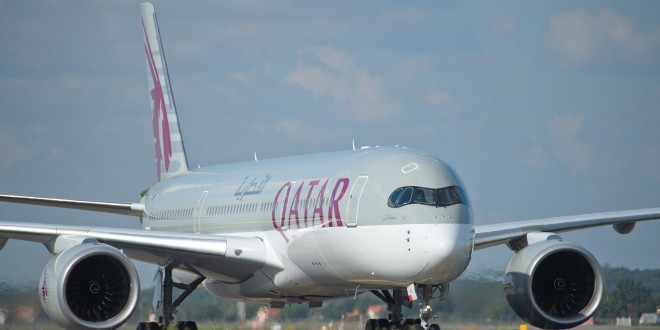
170	154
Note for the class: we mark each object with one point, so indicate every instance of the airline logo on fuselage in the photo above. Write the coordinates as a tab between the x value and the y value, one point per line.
293	207
252	187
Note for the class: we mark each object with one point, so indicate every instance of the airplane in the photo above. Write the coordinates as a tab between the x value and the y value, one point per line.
393	221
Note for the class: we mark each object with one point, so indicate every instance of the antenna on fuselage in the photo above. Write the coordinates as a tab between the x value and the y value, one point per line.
353	145
255	157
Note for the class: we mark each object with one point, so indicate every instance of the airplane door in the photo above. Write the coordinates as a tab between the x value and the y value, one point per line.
354	200
198	212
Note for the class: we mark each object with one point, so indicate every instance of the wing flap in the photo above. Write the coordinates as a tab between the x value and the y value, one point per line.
496	234
134	209
227	258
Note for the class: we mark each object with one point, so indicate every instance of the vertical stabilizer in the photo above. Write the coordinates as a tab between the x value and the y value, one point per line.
170	154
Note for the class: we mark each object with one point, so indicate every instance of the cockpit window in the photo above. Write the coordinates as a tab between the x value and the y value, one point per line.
405	197
391	202
427	196
448	197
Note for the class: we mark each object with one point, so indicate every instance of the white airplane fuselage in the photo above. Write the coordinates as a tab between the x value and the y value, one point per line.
325	221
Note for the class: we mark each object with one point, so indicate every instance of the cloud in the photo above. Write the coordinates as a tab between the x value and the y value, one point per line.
61	91
296	129
534	157
333	73
649	156
187	50
577	38
567	145
255	37
505	25
14	151
334	58
477	61
441	100
27	32
402	14
409	68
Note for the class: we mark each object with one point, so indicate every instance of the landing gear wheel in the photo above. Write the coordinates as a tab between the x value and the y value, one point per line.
383	324
398	298
148	326
394	301
417	325
186	325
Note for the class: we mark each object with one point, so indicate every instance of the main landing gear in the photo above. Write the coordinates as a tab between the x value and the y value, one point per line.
398	298
167	307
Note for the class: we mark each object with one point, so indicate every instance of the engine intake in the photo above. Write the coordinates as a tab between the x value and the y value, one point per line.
553	284
90	286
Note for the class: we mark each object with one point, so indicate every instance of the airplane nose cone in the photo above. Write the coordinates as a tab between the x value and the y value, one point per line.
448	250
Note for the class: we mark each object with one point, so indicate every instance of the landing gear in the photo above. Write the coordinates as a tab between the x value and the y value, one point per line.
394	303
398	298
181	325
148	326
167	307
429	292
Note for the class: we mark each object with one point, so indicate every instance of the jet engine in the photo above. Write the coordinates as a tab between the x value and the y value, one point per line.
553	284
89	286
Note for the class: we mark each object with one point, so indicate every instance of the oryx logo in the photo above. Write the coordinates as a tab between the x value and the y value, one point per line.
161	126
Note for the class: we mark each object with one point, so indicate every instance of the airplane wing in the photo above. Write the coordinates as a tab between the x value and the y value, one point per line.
227	258
134	209
504	233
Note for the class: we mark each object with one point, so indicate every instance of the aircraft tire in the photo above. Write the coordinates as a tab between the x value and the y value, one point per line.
148	326
186	325
383	324
371	324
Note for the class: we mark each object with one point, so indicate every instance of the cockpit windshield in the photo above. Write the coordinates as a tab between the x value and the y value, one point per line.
427	196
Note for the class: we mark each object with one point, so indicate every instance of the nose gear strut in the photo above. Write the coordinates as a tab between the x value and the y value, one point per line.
398	298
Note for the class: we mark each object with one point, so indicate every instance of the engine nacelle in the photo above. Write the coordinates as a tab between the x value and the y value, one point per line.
553	284
89	286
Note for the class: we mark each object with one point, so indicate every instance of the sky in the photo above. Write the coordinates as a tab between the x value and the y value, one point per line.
544	108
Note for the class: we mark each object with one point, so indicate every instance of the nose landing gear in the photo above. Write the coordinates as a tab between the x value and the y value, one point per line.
398	298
